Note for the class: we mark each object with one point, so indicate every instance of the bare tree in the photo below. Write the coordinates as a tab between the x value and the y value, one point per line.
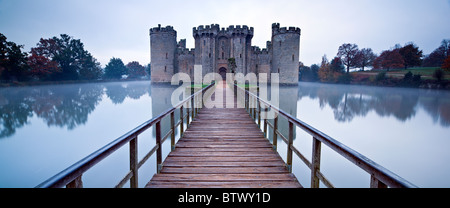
349	55
365	58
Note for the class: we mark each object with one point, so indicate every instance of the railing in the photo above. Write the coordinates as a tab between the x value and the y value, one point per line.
380	176
71	177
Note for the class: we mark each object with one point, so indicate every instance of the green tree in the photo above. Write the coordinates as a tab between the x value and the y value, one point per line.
136	70
115	69
13	62
411	54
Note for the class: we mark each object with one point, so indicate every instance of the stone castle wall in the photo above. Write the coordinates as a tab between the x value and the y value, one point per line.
215	45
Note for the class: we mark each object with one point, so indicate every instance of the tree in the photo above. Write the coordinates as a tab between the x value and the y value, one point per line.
73	60
336	65
390	59
411	54
136	70
325	73
437	57
42	67
446	64
365	58
13	62
115	69
348	53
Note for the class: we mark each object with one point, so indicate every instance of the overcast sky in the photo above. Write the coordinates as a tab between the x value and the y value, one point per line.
112	28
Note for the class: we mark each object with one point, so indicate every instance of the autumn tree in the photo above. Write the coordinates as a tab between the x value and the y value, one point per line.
73	60
389	59
326	74
348	53
136	70
115	69
42	67
437	57
13	62
446	64
411	54
365	58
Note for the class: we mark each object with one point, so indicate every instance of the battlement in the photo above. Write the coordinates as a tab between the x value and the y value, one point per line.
214	29
276	29
257	50
202	30
159	29
186	51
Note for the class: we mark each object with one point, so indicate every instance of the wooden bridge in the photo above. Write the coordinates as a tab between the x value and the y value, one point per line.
224	147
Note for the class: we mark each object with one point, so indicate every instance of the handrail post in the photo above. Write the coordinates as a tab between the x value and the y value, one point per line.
134	162
275	129
172	126
158	151
192	108
375	183
259	113
181	121
315	165
76	183
289	149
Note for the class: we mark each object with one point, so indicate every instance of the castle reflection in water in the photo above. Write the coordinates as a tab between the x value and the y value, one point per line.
68	106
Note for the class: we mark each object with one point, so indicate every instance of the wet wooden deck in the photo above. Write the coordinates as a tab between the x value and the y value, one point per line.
223	148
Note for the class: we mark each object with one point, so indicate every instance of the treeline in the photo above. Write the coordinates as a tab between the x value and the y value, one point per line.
349	56
60	59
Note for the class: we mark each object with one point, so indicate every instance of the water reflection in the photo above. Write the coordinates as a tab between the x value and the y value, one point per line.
349	102
65	106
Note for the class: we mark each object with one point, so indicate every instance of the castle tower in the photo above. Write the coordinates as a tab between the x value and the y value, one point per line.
205	47
240	45
285	53
163	53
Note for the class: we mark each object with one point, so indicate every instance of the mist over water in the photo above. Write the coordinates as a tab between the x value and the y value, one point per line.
44	129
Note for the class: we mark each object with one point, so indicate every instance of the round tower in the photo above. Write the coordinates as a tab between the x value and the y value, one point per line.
205	46
285	53
163	49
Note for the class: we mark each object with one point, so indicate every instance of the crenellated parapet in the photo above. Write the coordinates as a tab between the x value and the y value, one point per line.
276	29
168	29
214	30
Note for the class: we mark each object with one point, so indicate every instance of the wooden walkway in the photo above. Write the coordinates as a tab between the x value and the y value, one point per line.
223	148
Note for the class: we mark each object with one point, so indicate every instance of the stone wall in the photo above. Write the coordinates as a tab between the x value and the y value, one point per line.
163	53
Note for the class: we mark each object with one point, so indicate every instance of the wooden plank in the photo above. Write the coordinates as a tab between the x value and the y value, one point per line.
224	177
223	148
240	184
224	159
224	164
240	170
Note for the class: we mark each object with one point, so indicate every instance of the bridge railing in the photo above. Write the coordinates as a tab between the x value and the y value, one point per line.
71	177
380	176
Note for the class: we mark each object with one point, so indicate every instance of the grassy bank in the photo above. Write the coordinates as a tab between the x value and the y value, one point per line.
420	77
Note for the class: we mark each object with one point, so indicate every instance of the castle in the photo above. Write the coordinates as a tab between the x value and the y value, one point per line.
216	47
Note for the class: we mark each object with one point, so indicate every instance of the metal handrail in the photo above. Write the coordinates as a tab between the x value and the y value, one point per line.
71	176
380	176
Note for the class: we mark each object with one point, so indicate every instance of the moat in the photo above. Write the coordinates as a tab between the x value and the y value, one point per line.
44	129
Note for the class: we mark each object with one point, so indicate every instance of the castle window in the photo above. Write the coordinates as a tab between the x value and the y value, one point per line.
166	56
280	43
165	68
240	55
210	55
204	42
223	55
293	57
278	70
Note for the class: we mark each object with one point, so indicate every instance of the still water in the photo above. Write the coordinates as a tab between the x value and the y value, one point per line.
44	129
